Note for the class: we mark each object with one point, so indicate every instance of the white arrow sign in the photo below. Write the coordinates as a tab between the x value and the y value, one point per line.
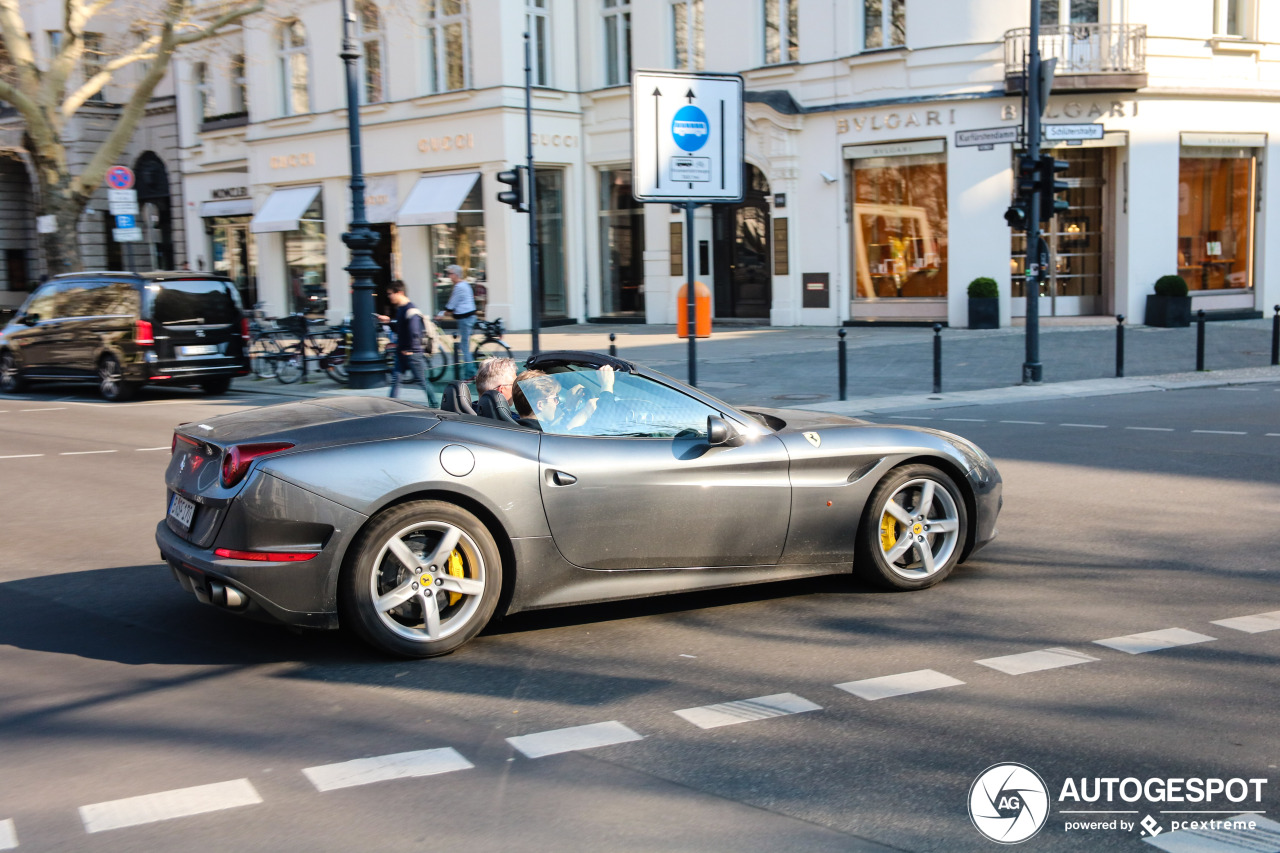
686	142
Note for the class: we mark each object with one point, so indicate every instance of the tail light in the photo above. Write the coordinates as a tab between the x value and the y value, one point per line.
266	556
244	329
238	457
143	335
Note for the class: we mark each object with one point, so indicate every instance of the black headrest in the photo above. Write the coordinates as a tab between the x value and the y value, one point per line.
457	398
493	405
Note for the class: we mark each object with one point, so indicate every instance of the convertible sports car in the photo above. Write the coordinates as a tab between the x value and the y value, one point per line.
412	526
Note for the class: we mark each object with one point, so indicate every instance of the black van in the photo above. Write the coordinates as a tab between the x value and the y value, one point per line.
128	329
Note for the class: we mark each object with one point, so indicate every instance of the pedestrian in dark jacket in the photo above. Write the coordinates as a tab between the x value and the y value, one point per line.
411	330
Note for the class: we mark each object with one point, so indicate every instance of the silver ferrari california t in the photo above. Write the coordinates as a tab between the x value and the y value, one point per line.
413	526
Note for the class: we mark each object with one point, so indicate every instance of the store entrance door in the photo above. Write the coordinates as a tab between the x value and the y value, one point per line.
743	281
1078	281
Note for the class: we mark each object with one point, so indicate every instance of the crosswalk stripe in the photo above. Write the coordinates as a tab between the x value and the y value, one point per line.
556	741
899	685
400	765
1254	624
1021	664
747	710
8	834
166	805
1154	641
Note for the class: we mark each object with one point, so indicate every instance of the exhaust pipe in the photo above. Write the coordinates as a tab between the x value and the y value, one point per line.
222	595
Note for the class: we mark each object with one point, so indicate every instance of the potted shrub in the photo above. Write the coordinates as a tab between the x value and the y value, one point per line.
1170	305
984	304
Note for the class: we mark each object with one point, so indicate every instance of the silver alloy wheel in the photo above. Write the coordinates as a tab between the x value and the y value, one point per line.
921	521
412	590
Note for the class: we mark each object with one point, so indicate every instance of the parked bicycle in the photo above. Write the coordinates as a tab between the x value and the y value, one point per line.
322	347
491	344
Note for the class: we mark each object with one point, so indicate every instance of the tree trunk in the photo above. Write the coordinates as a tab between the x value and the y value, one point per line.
61	249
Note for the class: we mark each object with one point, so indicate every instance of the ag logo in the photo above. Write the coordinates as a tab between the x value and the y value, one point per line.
813	438
1008	803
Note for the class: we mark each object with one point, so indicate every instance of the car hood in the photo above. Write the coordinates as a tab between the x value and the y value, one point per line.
316	423
800	420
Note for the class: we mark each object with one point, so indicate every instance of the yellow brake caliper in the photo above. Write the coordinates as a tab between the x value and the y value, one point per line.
455	569
888	532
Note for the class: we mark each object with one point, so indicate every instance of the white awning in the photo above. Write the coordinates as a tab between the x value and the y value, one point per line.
227	207
283	209
435	199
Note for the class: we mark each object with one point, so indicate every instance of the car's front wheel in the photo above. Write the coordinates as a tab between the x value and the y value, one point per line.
10	377
914	528
111	381
422	579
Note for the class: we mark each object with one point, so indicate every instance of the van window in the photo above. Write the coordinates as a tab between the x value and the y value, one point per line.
42	302
195	302
84	298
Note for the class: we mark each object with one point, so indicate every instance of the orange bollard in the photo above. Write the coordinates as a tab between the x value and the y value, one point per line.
701	307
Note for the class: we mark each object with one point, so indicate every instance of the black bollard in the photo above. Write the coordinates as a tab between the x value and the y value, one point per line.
613	348
842	352
1200	339
1119	346
457	358
937	358
1275	337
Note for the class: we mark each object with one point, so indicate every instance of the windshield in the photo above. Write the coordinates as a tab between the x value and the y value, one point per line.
194	302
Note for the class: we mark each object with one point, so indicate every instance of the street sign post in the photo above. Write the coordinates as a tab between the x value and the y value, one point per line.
686	148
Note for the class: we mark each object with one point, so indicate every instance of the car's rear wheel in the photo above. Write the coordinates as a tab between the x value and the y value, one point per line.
914	528
111	382
422	579
11	381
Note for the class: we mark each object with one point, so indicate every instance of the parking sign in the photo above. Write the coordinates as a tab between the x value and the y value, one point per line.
686	142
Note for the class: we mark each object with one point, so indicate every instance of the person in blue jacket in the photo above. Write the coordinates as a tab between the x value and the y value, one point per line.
411	330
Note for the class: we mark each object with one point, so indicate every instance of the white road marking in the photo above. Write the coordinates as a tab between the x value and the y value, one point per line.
1219	432
167	805
1265	838
747	710
23	456
1254	624
1152	429
55	409
144	449
1154	641
910	418
1025	662
402	765
969	420
1273	434
1031	423
557	741
84	452
8	835
1086	426
899	685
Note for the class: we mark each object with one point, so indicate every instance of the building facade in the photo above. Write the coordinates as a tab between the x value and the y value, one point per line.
869	193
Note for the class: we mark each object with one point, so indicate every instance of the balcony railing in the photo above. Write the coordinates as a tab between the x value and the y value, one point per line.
1090	56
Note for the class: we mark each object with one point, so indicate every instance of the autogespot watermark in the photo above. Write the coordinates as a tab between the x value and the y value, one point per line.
1009	803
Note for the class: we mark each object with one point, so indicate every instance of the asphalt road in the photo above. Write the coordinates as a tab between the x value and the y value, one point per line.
1123	515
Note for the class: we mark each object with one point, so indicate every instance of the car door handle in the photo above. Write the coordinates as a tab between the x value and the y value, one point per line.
560	478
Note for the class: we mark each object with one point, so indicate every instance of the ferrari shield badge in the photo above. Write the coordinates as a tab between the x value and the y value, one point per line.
813	438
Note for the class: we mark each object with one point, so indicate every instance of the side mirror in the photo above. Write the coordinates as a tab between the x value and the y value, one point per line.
721	433
31	319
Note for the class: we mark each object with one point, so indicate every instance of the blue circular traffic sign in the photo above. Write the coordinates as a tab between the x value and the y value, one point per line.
690	128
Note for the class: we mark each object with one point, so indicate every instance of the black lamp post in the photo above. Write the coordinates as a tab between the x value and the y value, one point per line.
366	368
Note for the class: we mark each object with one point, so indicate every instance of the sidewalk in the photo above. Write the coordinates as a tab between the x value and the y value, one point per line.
891	369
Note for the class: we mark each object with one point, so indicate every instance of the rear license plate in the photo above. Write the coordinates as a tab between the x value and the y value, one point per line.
181	510
202	349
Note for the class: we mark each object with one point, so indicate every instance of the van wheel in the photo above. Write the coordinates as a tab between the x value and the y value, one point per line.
111	382
11	381
216	385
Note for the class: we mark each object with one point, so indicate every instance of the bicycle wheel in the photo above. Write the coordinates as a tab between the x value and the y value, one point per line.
437	364
335	363
289	365
262	357
488	349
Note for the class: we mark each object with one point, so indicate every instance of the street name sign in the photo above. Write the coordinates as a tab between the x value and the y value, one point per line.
1061	132
986	136
686	142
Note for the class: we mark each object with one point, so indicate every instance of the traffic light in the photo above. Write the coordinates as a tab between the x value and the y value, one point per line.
514	196
1050	186
1025	184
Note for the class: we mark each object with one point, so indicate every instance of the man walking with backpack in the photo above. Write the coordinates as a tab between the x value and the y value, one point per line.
410	326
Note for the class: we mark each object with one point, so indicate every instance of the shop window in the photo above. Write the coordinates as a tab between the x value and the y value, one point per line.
91	62
617	42
1216	196
538	26
884	23
555	303
781	31
446	61
295	92
621	245
1233	18
233	253
305	262
686	35
461	242
369	36
900	226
